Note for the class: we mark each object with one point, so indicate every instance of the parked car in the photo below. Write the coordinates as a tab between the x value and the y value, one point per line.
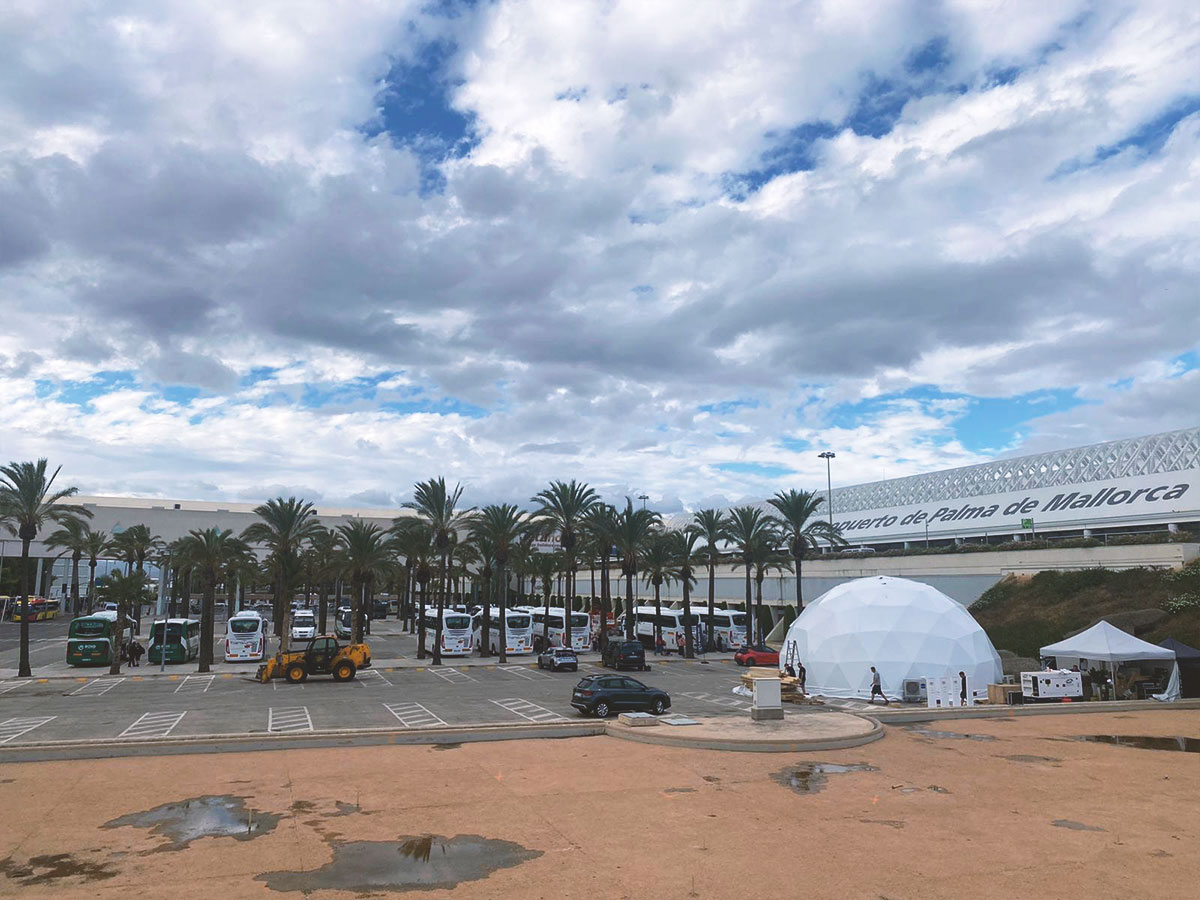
601	695
304	625
555	658
379	609
626	655
758	655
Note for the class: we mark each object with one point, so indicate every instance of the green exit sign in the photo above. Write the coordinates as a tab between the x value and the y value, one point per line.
1027	524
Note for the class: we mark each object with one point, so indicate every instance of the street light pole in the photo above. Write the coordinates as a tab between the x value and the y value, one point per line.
827	455
643	498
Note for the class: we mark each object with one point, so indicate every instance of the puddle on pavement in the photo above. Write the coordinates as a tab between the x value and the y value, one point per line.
949	735
808	778
1029	758
679	790
1075	826
447	746
938	789
214	816
53	867
1181	744
427	862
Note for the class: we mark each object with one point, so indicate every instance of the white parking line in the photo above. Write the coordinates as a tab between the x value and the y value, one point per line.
153	725
96	687
10	729
413	715
195	684
730	702
452	675
285	720
524	672
530	711
6	686
371	676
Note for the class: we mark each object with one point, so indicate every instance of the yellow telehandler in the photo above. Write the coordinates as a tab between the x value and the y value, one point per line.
321	656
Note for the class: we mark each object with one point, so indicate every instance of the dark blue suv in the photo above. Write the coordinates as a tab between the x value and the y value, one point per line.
602	695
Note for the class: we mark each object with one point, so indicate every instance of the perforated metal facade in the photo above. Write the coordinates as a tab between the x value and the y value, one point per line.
1171	451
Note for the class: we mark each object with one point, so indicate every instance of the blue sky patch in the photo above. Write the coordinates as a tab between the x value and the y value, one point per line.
750	468
442	406
725	407
82	393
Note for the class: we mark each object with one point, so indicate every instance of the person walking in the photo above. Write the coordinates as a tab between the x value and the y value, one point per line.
962	676
801	673
876	688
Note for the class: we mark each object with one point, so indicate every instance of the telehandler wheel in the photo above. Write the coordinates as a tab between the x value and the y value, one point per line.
296	673
344	671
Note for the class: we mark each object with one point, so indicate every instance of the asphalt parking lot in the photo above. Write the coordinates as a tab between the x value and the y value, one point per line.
132	706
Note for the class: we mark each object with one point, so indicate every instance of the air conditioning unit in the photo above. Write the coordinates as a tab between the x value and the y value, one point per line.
914	690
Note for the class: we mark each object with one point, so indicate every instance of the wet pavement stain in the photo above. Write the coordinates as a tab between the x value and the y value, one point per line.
711	779
679	790
808	778
187	820
1180	744
447	746
1029	758
949	735
938	789
1075	826
420	863
890	823
54	867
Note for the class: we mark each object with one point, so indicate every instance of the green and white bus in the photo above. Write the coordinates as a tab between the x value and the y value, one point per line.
183	640
91	639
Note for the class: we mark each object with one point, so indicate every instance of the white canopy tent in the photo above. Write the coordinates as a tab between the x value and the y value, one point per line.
1108	644
905	629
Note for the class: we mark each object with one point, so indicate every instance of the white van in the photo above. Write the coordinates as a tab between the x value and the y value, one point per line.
245	637
304	625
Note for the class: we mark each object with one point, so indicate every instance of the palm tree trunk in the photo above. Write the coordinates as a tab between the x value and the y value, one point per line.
568	601
277	612
91	585
759	607
657	612
799	592
712	594
630	624
323	605
207	615
23	669
546	618
75	557
502	640
689	649
749	606
118	645
604	589
437	630
420	613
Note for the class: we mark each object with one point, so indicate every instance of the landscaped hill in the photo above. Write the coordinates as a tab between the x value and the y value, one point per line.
1024	613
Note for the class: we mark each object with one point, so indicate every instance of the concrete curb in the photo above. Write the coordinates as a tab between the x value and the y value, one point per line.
902	716
667	736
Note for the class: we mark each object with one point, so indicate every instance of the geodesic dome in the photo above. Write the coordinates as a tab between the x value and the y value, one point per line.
903	628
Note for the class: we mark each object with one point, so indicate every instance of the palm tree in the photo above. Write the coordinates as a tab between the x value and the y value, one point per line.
136	544
765	555
502	525
285	527
324	557
413	539
710	525
439	507
633	527
563	506
547	566
485	569
27	501
796	509
366	557
125	590
600	524
95	545
748	526
208	553
71	539
656	568
682	548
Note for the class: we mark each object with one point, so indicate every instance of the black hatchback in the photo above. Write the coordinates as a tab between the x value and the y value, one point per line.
602	695
625	655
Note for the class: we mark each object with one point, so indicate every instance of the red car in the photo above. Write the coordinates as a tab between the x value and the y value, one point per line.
762	655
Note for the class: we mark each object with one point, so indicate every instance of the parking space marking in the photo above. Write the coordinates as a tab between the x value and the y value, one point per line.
525	672
414	715
6	686
590	667
195	684
530	711
371	676
11	729
450	674
96	687
153	725
730	702
288	719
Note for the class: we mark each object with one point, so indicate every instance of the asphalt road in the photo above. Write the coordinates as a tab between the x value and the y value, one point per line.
100	707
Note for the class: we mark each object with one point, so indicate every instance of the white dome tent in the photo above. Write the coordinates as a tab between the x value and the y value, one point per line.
905	629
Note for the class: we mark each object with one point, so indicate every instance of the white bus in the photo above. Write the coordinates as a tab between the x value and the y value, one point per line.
245	637
581	627
458	636
671	623
729	626
343	622
518	631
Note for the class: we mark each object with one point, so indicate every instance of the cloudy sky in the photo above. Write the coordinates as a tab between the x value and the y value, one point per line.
665	247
